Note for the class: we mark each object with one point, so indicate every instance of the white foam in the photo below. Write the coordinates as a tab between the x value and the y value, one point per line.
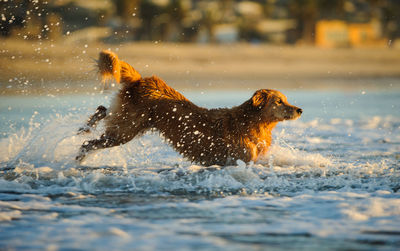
47	153
9	216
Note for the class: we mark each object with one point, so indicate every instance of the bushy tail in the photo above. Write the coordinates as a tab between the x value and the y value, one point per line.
111	67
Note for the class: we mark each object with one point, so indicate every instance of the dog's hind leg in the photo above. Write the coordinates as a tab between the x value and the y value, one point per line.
101	113
96	144
114	136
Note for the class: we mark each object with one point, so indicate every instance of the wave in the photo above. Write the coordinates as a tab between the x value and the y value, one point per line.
40	159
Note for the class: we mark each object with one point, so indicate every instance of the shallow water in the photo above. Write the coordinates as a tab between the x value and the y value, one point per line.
330	181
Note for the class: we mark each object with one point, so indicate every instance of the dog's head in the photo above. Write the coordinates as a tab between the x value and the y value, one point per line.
273	106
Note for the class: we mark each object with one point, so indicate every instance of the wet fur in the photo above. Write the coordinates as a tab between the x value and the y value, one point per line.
205	136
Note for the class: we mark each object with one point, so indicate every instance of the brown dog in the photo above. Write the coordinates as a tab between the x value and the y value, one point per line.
205	136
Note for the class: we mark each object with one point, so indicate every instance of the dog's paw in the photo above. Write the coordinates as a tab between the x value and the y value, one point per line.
79	158
83	130
83	151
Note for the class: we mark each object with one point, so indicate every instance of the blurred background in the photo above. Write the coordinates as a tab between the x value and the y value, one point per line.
50	46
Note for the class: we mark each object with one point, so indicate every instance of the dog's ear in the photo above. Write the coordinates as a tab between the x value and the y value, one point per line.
259	98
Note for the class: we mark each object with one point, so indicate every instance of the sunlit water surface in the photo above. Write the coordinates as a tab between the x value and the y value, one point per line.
330	181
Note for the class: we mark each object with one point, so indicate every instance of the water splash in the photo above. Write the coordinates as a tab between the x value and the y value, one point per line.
42	156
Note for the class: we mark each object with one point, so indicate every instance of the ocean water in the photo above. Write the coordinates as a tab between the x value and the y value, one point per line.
331	181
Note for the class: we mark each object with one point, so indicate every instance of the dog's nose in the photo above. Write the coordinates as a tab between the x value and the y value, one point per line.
299	111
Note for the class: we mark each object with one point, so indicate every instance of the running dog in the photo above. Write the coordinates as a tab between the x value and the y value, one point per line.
204	136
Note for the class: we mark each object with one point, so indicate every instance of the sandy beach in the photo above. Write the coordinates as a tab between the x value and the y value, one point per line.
44	67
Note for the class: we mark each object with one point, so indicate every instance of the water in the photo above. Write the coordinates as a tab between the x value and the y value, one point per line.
330	181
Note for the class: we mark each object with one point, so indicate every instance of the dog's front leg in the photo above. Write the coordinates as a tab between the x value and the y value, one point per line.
101	113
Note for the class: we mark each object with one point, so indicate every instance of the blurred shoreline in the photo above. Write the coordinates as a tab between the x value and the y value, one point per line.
42	68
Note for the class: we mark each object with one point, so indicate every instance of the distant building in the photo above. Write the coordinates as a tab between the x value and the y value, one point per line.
226	33
365	34
337	33
276	30
330	34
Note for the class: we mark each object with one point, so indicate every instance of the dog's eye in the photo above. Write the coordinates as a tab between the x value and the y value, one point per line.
279	101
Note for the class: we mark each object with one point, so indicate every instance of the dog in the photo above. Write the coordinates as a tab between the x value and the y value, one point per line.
204	136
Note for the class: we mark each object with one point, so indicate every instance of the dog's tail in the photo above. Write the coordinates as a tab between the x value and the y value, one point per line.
111	67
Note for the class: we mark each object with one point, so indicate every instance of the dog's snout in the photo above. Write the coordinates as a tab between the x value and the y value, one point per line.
299	111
